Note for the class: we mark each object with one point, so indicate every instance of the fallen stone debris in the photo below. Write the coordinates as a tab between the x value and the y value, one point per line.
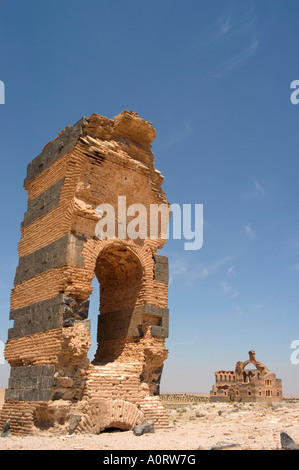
287	443
141	429
192	426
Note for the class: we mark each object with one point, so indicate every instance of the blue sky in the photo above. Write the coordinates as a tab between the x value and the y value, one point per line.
214	79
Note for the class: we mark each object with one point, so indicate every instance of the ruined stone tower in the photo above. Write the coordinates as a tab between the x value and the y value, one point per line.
53	384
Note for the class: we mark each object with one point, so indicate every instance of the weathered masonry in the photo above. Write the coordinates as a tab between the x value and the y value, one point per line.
247	385
53	384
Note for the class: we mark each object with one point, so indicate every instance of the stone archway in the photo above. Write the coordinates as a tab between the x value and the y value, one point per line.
106	414
88	164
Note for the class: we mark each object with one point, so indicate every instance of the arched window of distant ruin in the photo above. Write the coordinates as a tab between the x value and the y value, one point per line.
249	373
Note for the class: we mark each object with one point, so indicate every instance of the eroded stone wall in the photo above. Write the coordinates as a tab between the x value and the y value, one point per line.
88	164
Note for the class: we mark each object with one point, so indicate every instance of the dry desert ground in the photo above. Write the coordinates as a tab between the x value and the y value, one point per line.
192	426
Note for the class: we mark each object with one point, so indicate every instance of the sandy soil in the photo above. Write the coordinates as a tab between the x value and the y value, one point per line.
202	425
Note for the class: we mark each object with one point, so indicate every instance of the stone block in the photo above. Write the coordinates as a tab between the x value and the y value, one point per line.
145	428
161	269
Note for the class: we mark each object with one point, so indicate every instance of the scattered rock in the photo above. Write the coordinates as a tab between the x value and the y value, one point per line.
147	427
6	429
287	442
74	421
224	445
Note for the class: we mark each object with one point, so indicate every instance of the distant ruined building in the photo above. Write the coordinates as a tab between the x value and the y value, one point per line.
247	385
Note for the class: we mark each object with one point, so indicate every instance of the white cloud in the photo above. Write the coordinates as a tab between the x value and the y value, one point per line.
249	232
179	135
235	61
257	191
204	270
185	343
180	265
259	306
231	272
239	312
228	290
233	36
177	266
212	34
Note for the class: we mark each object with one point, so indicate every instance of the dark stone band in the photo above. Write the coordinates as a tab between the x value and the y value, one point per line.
161	270
30	383
43	203
56	312
128	322
50	256
55	150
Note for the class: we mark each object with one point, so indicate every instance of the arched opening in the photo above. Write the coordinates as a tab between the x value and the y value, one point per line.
113	429
119	273
231	394
248	374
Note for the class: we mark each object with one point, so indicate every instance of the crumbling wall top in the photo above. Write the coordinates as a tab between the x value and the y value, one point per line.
127	128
